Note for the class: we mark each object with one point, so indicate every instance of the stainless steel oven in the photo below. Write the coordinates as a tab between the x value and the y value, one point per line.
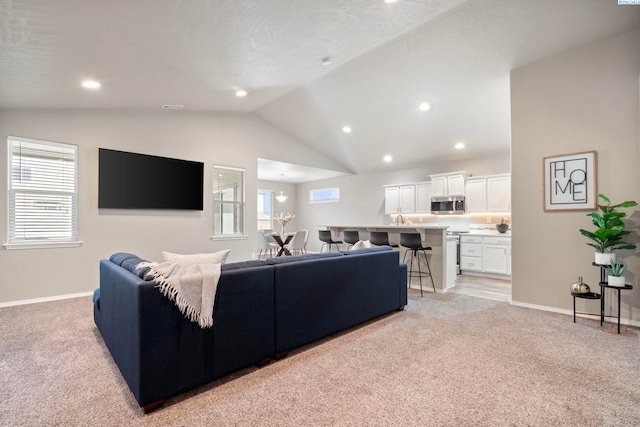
451	205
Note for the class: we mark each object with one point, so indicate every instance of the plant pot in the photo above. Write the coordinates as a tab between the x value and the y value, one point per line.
502	228
605	258
616	281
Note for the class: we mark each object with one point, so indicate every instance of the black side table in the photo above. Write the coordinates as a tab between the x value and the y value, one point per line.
603	286
588	295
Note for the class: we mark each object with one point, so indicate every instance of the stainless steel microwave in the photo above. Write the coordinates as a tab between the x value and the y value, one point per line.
452	205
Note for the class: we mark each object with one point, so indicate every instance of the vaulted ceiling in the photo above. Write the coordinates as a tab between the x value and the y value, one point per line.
386	59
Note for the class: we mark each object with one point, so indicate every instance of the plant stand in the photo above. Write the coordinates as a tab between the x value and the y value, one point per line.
588	295
605	285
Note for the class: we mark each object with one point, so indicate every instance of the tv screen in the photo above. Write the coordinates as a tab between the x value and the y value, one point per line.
139	181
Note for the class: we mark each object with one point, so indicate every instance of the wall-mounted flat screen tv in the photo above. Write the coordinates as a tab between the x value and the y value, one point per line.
140	181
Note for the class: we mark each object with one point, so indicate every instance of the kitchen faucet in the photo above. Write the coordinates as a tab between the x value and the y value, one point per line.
399	217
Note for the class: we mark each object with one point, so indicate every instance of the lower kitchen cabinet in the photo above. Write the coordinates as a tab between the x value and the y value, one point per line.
486	254
471	253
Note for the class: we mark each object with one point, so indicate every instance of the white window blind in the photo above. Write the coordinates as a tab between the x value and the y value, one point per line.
228	201
42	192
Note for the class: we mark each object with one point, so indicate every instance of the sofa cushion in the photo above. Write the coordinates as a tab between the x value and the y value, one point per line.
296	258
119	257
189	259
368	250
131	264
243	264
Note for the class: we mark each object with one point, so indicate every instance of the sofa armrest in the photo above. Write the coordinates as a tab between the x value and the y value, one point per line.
161	353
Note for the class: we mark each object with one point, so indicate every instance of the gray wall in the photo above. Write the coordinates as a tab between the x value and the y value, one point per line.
585	99
230	140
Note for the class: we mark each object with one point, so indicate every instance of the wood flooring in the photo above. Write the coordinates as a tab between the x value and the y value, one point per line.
484	287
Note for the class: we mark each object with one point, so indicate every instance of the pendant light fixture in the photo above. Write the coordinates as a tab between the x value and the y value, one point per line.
281	197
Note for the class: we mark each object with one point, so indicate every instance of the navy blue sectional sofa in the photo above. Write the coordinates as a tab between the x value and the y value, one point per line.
263	309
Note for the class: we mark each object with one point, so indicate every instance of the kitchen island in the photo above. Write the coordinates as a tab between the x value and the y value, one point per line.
442	258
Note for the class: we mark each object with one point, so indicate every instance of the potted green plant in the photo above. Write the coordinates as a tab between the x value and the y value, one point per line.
610	231
614	271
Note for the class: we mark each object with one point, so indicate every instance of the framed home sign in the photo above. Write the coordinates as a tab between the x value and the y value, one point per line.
570	181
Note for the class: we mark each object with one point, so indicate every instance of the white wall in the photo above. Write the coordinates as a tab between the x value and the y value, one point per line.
230	140
585	99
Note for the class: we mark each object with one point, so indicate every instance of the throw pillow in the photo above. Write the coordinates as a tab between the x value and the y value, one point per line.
360	244
190	259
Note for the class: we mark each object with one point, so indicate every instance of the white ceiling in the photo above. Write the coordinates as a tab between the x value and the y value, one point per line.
387	58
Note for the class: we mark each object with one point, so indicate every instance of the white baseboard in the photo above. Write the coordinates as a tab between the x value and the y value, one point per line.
45	299
623	321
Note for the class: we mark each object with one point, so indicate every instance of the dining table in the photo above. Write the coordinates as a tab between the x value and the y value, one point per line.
287	238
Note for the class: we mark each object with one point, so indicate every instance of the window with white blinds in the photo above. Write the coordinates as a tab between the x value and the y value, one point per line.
42	193
228	202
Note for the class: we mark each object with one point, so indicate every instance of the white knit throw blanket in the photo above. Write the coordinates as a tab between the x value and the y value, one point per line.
191	287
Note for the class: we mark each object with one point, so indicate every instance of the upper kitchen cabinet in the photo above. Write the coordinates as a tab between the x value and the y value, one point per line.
476	195
423	197
448	184
400	199
488	194
499	193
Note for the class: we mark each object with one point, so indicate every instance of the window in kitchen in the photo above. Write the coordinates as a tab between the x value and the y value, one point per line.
324	195
265	210
42	194
228	202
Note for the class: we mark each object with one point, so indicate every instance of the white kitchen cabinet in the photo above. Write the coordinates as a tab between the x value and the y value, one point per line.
423	197
400	199
476	195
495	255
490	193
499	193
456	185
471	253
449	184
439	185
486	254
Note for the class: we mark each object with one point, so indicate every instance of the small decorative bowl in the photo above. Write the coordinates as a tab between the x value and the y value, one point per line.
502	228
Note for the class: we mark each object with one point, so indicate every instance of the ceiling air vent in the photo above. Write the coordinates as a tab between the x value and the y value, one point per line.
172	107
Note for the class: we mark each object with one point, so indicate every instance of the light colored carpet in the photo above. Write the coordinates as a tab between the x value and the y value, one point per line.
447	360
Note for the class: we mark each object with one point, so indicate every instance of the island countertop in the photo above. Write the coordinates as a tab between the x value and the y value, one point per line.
413	226
442	254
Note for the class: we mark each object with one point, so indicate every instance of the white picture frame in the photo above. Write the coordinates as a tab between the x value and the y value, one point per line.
569	181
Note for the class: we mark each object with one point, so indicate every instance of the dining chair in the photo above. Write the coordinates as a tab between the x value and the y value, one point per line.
296	245
325	236
264	246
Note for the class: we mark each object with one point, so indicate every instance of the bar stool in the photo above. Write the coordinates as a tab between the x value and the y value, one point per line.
325	236
380	238
413	243
350	237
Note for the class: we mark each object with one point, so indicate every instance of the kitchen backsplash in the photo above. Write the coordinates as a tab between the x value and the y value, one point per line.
458	222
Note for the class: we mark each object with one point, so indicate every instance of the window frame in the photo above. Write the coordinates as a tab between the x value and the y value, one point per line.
271	194
12	242
239	206
312	200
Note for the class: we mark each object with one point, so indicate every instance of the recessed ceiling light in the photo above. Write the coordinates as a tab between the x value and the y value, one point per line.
459	145
172	107
390	1
240	93
326	61
346	129
425	106
387	158
90	84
